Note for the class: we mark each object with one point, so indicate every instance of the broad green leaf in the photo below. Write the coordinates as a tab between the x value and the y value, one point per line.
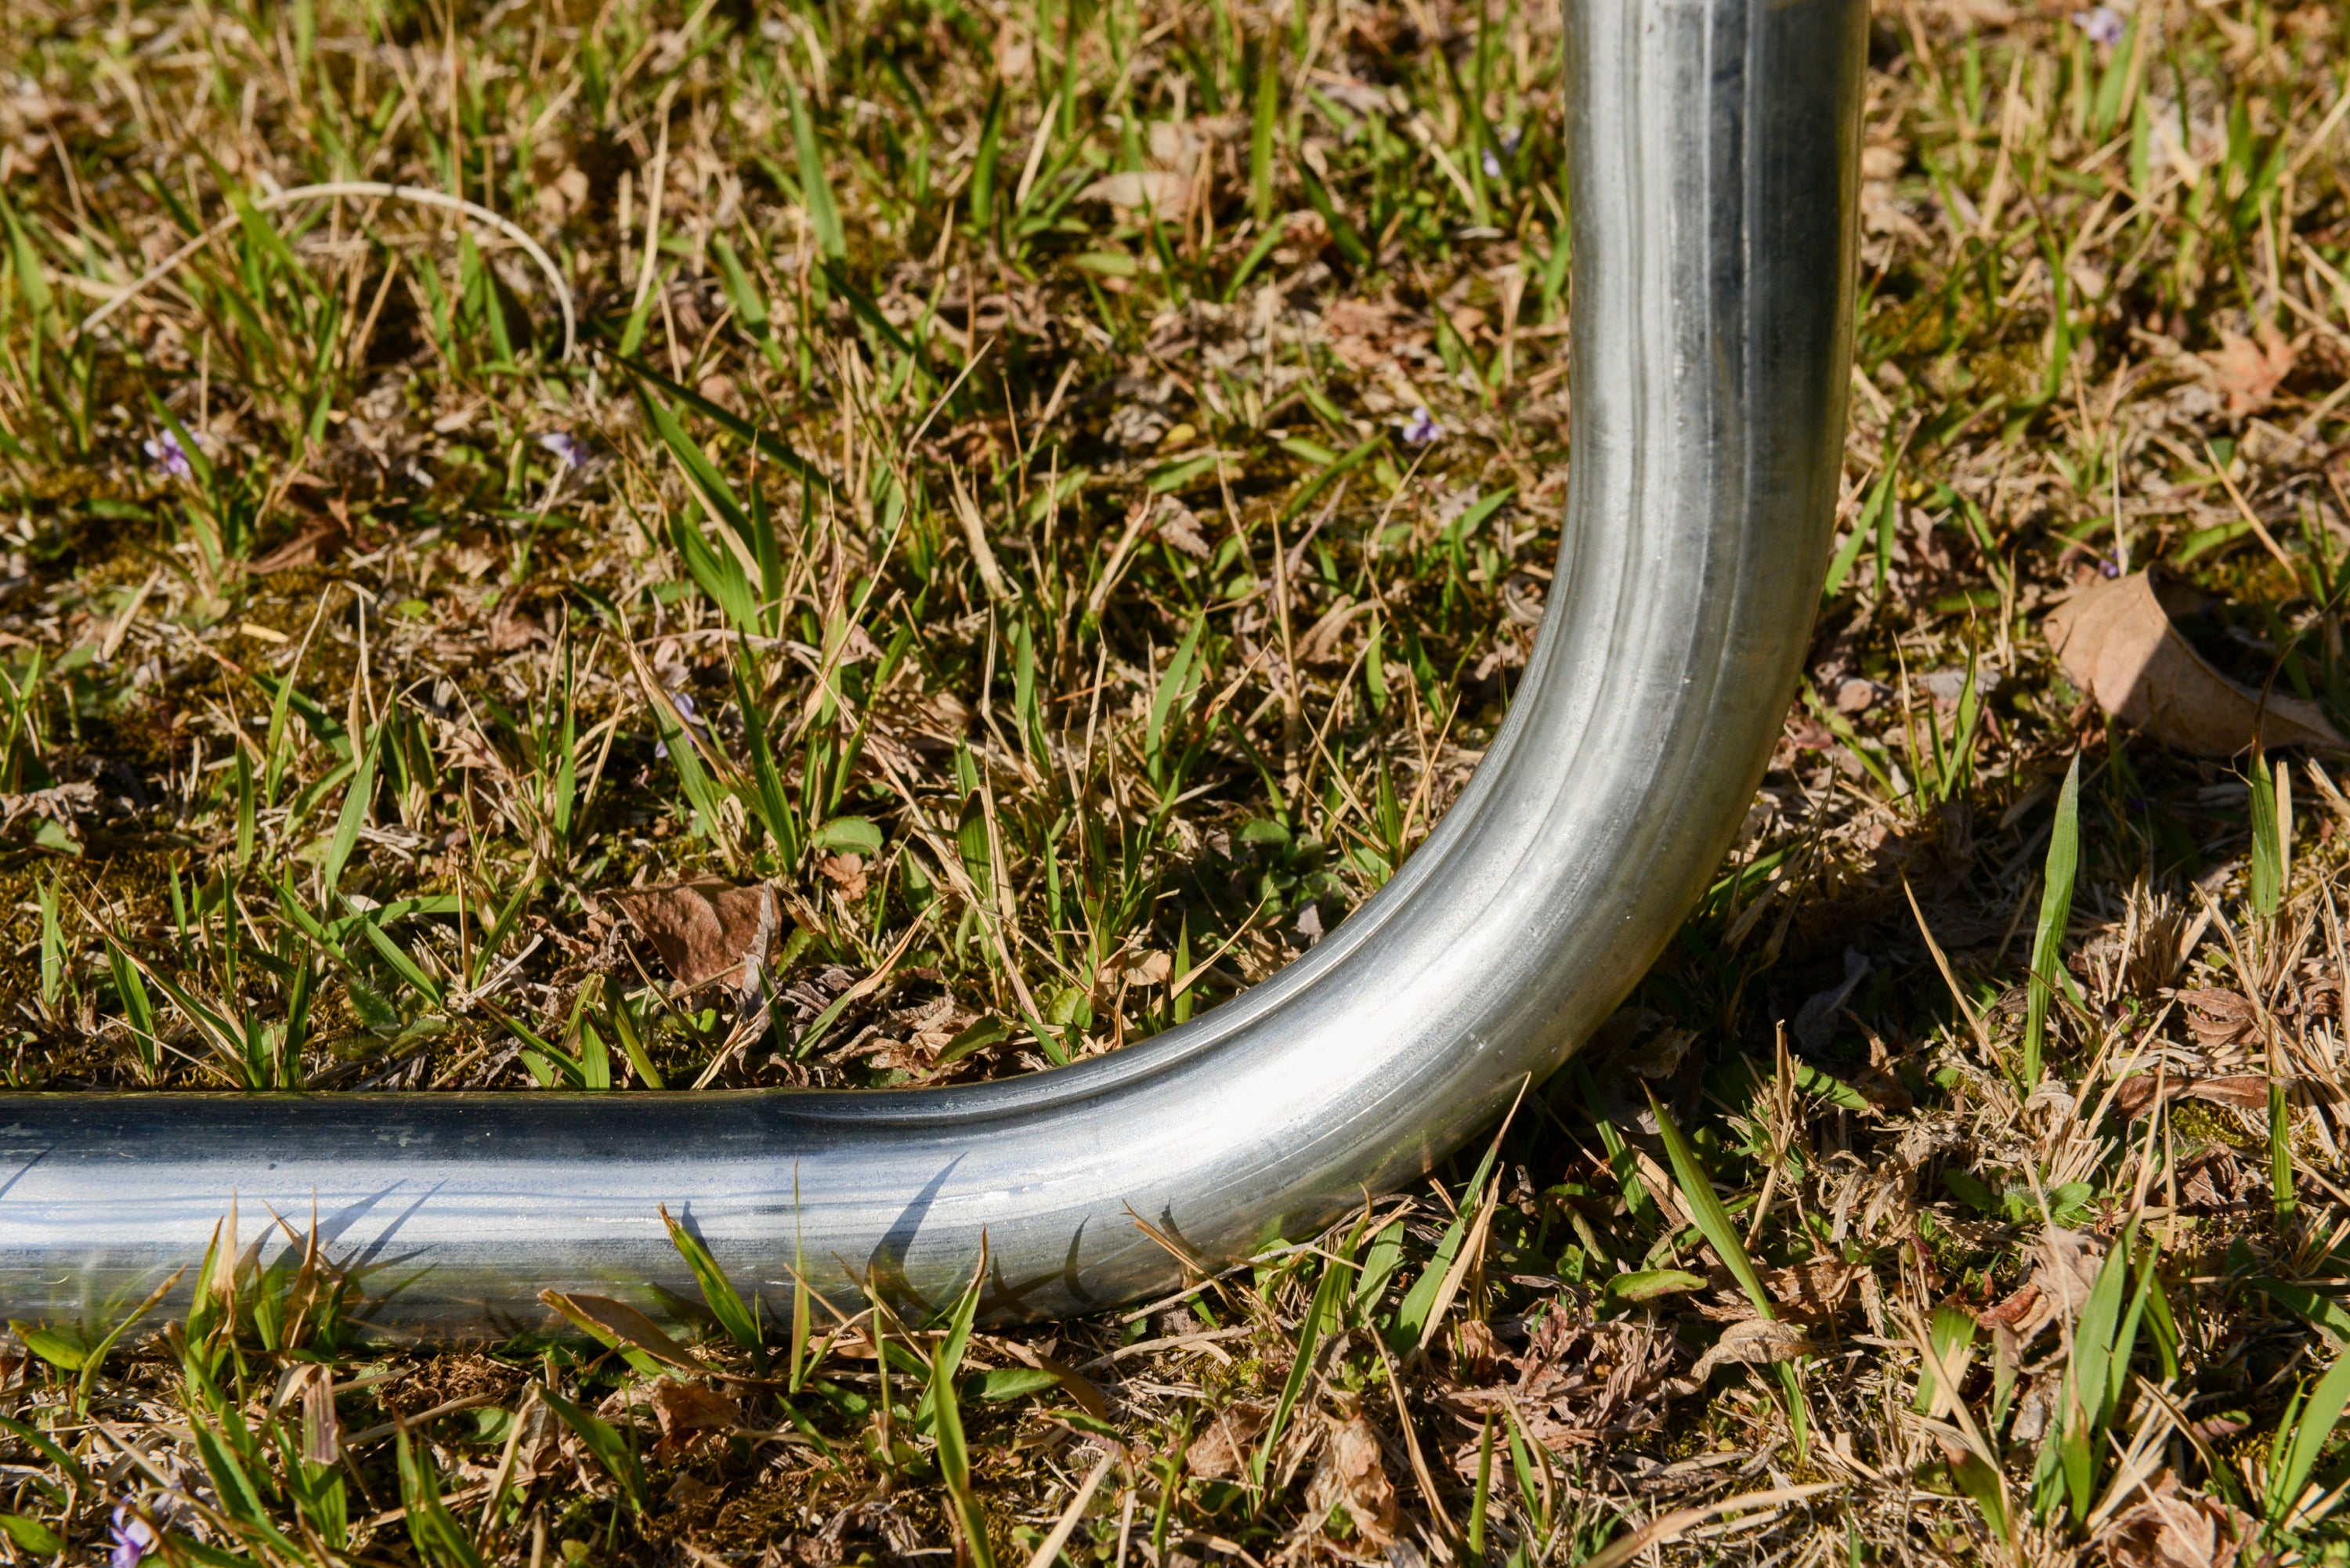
1647	1284
1010	1382
31	1534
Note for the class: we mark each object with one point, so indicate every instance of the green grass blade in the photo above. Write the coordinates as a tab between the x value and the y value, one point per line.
2268	845
1329	1295
610	1449
2055	912
725	1303
358	799
946	1415
815	189
438	1537
1713	1221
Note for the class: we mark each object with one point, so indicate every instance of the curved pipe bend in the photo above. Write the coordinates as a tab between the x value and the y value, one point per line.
1714	155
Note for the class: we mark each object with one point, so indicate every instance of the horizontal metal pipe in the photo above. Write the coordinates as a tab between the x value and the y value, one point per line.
1714	155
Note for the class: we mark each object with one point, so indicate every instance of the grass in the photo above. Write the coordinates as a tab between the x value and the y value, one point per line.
1065	491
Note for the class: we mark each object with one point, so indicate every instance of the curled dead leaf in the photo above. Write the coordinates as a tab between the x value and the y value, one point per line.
1165	191
706	930
1179	527
2218	1017
2170	1532
2069	1261
1353	1476
683	1409
1220	1452
2116	643
846	872
2142	1092
1147	967
2247	372
1756	1342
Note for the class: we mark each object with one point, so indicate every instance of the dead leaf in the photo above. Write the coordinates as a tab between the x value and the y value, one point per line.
2011	1309
1757	1341
1353	1476
1179	527
2116	642
2068	1267
846	872
1221	1451
1167	193
683	1409
1475	1351
706	930
2141	1091
2169	1532
308	548
1146	966
2218	1017
1811	1292
515	630
2247	373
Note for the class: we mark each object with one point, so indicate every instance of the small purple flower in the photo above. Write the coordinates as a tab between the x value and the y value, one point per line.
568	450
2109	568
1421	429
2104	26
132	1538
167	454
1509	139
684	703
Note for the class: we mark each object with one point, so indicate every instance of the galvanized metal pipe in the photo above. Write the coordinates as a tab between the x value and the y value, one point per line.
1713	188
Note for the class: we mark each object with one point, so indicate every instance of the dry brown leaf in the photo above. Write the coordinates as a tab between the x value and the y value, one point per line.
1221	1451
1146	966
1179	527
683	1409
2218	1017
846	872
2247	373
1165	191
1757	1341
2141	1091
2116	642
1353	1476
514	630
2169	1532
1811	1292
706	930
313	545
2068	1267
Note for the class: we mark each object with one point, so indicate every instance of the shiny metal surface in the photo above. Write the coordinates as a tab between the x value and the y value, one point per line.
1714	148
